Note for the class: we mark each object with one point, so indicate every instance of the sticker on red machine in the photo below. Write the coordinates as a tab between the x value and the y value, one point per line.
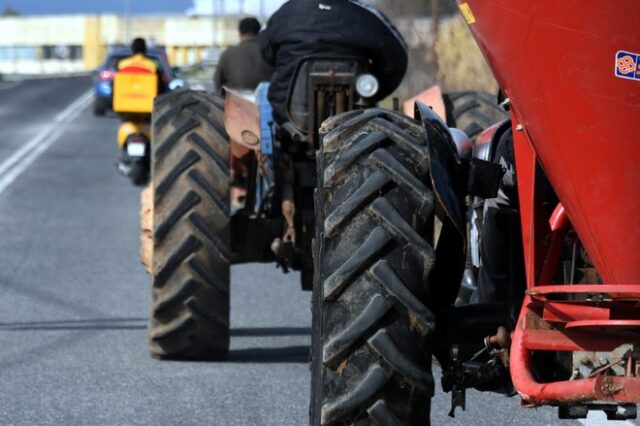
628	65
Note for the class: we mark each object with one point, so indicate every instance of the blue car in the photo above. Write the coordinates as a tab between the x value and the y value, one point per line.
103	100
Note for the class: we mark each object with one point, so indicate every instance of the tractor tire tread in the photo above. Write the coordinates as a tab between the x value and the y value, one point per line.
473	111
372	360
191	236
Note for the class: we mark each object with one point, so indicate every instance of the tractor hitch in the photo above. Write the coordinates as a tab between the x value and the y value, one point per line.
486	370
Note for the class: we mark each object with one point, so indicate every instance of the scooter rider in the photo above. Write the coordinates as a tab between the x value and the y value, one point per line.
138	62
302	28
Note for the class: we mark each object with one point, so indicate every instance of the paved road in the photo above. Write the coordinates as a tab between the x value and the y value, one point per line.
74	299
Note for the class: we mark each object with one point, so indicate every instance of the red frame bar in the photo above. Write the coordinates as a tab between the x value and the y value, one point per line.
600	388
624	324
615	292
563	325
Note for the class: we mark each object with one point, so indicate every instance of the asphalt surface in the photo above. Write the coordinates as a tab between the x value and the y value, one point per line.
74	298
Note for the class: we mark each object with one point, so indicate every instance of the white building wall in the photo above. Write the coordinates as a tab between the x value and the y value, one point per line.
26	42
110	29
42	30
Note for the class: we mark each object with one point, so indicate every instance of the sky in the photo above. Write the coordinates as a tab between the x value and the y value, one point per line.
140	7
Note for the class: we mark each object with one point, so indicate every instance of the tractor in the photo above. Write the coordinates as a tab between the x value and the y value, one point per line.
230	186
382	214
397	222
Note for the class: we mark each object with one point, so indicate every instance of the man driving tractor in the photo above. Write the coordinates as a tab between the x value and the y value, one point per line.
333	28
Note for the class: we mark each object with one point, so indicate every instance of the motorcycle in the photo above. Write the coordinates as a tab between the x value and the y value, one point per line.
134	143
133	99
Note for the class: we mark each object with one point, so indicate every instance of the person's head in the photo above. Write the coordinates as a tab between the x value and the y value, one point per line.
248	28
139	46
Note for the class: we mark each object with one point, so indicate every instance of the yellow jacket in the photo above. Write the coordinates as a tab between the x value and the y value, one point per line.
137	64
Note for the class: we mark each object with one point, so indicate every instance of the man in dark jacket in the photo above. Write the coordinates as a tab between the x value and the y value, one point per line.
242	67
302	28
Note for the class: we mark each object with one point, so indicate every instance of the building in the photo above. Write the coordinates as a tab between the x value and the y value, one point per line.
79	43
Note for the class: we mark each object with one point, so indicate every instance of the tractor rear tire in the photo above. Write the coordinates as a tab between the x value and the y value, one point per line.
371	335
472	111
191	228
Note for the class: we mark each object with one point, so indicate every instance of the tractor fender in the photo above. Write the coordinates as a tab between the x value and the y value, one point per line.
446	170
433	97
486	142
242	123
448	183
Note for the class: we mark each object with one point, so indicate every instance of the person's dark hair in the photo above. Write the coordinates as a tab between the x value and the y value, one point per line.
249	26
139	45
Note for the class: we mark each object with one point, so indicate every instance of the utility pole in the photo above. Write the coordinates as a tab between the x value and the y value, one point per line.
127	21
214	24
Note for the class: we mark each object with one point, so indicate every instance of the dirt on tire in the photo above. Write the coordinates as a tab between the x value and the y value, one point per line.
371	340
146	227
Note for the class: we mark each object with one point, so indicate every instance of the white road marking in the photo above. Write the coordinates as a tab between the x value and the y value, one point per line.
598	418
20	160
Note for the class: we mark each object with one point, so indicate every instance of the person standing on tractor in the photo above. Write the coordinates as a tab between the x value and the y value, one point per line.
242	67
303	28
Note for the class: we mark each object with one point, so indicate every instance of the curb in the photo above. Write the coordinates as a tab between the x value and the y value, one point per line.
22	77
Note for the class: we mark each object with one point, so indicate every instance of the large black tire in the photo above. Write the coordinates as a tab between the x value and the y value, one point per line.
472	111
371	341
191	252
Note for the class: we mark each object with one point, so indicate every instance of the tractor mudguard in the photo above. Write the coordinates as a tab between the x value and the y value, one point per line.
433	97
448	182
484	174
486	142
242	123
447	174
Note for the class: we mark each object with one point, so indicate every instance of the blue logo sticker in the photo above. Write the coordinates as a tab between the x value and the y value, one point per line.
628	65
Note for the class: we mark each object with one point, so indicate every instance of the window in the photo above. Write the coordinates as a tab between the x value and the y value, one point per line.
18	53
62	52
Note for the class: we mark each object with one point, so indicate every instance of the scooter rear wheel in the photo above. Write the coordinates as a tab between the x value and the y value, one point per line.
139	173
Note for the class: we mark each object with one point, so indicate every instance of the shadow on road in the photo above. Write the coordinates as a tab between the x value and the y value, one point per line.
139	324
80	324
288	354
270	331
